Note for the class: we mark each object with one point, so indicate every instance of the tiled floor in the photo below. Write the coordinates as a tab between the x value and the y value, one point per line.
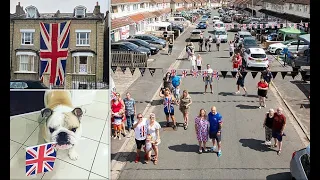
93	149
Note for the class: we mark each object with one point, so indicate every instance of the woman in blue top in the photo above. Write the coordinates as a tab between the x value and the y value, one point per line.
168	102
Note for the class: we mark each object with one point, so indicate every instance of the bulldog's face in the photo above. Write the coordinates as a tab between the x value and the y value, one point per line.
64	128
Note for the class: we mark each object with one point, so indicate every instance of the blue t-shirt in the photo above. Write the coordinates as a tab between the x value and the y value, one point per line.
214	120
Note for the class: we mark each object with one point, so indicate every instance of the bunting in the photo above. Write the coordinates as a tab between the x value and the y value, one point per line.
142	70
152	71
132	70
123	69
262	26
284	74
113	68
254	74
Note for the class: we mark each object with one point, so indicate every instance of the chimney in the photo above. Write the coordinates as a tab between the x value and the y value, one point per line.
18	9
96	10
57	13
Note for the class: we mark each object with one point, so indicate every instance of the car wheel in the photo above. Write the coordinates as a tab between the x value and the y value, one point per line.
278	52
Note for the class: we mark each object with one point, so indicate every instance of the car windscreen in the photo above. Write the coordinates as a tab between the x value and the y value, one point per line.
258	56
131	46
221	25
143	43
220	33
250	42
195	32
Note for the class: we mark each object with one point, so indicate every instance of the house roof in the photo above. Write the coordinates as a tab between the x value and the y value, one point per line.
275	1
177	1
160	1
188	1
181	9
115	2
148	15
137	17
303	2
120	22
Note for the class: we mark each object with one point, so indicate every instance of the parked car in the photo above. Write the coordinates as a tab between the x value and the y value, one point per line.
215	18
202	25
249	42
300	164
151	39
291	45
195	34
219	26
255	57
177	27
142	43
27	84
236	27
128	46
222	34
227	19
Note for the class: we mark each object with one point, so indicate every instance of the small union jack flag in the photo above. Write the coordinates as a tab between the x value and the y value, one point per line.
173	72
40	159
278	26
142	131
250	26
272	26
194	73
267	25
256	26
244	26
306	25
218	25
295	25
231	25
261	26
215	74
227	26
184	73
205	73
284	25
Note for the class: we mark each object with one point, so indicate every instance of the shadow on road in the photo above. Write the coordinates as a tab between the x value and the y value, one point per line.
185	148
255	144
245	106
195	92
125	156
164	53
278	176
223	57
226	94
304	87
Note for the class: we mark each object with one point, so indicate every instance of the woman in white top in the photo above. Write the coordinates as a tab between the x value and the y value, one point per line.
199	62
192	60
231	48
154	130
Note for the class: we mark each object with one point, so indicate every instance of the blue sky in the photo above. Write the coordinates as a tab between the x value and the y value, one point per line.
52	6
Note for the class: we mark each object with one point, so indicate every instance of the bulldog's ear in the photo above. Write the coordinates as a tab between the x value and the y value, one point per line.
47	112
78	112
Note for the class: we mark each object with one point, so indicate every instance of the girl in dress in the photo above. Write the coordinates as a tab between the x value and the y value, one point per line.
168	102
154	130
199	62
149	142
184	107
202	130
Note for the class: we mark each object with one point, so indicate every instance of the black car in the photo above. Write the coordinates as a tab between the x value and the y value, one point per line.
177	27
150	39
249	42
142	43
128	46
27	84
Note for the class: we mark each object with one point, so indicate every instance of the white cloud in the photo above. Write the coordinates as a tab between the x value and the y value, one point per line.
65	6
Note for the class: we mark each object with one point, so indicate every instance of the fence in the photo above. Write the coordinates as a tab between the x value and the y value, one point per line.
128	59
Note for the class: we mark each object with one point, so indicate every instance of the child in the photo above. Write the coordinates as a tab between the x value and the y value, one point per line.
177	92
118	124
149	143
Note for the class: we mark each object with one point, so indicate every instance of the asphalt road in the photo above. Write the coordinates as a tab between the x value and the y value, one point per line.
243	155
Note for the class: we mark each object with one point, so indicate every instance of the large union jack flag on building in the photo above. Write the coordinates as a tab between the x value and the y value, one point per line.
54	43
40	159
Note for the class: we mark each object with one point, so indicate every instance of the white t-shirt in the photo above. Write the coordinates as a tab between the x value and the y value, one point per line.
199	61
152	129
193	60
117	120
231	48
210	71
148	146
140	132
218	41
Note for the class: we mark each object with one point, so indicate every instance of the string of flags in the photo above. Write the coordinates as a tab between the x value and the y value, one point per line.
204	73
261	26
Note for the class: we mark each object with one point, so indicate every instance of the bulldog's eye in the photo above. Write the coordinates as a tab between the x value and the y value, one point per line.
74	129
51	130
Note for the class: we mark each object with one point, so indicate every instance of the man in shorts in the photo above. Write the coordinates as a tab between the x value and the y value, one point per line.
240	81
278	125
208	79
130	109
215	121
140	134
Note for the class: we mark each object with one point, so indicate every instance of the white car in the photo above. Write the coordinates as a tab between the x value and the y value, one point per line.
222	34
255	57
291	45
219	26
215	19
195	34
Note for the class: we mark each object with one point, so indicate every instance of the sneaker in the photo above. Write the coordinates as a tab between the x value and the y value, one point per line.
213	148
246	94
174	127
137	159
259	107
115	137
219	153
269	143
119	137
200	151
205	149
168	124
265	106
237	92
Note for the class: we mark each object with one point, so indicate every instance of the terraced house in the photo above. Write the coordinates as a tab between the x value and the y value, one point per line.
85	60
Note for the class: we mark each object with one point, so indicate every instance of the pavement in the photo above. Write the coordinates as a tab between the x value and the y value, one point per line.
93	149
243	155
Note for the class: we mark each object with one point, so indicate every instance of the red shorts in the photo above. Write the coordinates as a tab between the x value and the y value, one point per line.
117	127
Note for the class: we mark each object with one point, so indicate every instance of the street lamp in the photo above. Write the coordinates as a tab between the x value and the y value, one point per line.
251	9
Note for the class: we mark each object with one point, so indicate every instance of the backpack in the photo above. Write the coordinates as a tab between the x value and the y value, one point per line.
175	81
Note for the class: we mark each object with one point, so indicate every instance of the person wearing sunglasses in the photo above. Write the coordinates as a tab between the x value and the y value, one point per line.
168	102
140	134
154	130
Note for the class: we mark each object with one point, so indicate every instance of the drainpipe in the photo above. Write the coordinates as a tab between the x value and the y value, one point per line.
11	47
95	86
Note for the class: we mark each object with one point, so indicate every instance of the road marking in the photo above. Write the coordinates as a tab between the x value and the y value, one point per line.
117	166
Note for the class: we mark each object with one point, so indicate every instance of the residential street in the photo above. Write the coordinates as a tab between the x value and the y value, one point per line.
243	154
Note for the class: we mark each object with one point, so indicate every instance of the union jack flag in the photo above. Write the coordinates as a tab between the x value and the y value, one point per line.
40	159
250	26
261	26
168	103
205	73
54	43
173	72
184	73
113	94
306	25
244	26
227	26
295	25
284	25
215	74
256	26
194	73
267	25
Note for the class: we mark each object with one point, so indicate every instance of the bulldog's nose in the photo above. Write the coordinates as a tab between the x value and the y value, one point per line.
62	138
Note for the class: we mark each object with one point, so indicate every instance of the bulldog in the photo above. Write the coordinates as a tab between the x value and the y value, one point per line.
62	123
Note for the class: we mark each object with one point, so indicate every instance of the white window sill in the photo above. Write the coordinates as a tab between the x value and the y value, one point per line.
25	72
82	74
27	44
83	45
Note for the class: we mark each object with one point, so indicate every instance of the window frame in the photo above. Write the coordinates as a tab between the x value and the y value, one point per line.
23	32
31	56
76	62
78	8
79	39
30	9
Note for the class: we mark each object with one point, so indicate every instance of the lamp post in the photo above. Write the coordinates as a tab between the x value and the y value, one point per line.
251	9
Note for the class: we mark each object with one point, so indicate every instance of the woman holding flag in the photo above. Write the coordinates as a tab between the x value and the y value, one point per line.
168	102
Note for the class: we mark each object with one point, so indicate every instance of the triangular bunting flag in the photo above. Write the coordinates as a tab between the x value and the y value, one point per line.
234	73
142	70
303	74
132	69
123	69
113	68
284	73
244	73
254	74
224	73
274	74
294	74
152	71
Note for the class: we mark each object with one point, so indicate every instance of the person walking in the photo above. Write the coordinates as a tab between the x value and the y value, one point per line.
208	79
184	107
168	102
268	77
215	121
262	92
267	124
201	128
218	41
206	43
130	110
241	75
170	46
278	125
199	62
209	43
231	48
154	130
167	81
200	43
140	134
192	60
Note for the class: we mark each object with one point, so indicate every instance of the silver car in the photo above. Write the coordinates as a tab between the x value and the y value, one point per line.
195	34
300	164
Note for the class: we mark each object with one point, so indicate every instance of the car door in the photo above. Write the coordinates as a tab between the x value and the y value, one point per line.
246	55
292	47
303	46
